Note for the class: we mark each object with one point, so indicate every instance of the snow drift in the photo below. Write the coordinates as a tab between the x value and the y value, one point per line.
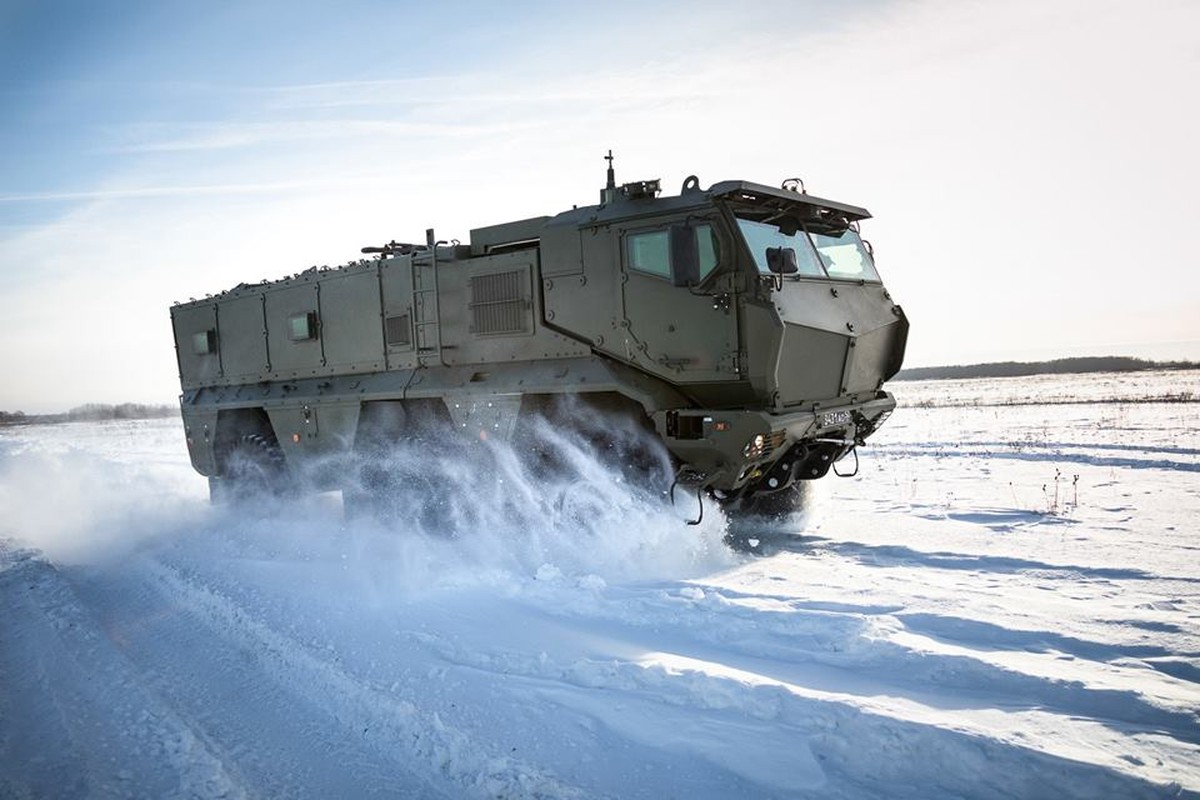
1003	603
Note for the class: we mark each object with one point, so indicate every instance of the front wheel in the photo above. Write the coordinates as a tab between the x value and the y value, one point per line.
775	506
763	524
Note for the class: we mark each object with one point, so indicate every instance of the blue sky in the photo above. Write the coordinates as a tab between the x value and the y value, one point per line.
91	88
1031	165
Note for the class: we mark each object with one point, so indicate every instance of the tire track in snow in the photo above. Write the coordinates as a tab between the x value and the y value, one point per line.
388	724
77	717
272	737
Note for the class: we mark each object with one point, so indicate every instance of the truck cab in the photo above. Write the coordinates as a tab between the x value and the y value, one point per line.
761	306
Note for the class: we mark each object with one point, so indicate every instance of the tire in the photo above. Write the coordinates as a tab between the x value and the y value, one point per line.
384	491
254	468
392	478
609	429
764	524
769	506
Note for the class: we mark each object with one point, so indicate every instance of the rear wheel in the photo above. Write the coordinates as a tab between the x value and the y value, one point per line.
389	489
400	447
253	468
562	436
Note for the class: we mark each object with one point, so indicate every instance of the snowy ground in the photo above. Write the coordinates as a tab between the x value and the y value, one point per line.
1005	602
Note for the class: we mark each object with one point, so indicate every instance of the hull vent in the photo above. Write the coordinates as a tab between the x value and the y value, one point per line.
499	303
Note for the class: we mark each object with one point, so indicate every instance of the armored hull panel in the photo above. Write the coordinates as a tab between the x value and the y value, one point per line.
744	326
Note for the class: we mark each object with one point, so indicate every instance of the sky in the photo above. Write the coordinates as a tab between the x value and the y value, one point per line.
1031	166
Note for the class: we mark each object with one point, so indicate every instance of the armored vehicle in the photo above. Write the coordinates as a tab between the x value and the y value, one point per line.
743	326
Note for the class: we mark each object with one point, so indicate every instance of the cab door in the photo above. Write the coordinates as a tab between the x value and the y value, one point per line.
679	314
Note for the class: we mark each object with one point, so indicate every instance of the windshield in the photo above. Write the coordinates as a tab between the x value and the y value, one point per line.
761	235
845	256
842	255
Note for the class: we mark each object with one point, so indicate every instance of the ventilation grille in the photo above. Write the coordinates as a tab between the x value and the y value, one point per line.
498	303
398	330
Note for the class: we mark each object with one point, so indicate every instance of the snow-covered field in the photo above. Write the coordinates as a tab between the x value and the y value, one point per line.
1005	602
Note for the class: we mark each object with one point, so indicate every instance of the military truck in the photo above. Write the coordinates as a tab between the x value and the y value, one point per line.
743	326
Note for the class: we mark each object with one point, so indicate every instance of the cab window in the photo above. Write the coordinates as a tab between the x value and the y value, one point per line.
650	252
760	236
845	256
706	245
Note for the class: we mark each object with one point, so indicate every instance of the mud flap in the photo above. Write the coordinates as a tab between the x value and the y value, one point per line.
485	417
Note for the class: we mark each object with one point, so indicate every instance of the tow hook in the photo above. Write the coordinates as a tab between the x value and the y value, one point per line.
691	478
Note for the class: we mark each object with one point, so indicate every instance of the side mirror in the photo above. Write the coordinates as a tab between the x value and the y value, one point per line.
782	260
685	256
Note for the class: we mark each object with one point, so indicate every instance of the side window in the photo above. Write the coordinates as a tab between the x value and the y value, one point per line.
706	246
650	252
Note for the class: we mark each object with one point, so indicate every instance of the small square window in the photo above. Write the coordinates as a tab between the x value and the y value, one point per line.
205	342
302	327
650	252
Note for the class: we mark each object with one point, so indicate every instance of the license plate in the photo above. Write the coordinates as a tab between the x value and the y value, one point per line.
831	418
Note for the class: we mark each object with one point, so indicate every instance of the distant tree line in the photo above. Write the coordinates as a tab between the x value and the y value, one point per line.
91	412
1059	366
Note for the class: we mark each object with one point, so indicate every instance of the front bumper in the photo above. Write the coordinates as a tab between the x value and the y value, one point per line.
732	451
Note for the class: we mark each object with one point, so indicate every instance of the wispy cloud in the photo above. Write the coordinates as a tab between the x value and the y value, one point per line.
157	191
463	91
161	138
341	94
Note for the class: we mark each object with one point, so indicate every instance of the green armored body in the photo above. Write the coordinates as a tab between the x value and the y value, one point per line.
744	327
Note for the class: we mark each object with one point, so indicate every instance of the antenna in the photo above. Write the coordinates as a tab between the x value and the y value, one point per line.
609	193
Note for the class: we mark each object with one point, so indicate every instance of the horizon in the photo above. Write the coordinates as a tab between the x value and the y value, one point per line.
174	401
173	151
